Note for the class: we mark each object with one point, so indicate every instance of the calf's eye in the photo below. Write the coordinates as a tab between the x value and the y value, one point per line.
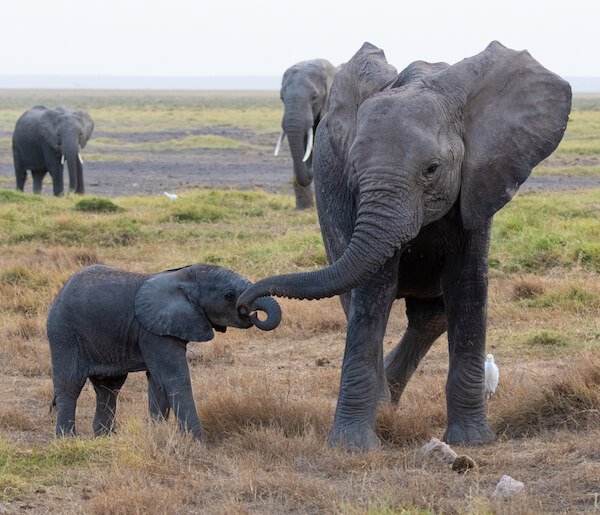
229	296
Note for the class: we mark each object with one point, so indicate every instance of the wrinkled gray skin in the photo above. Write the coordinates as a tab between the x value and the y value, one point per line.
42	137
304	90
105	323
409	170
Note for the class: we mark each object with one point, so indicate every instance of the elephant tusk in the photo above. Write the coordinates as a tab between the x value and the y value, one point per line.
309	146
62	159
279	142
79	157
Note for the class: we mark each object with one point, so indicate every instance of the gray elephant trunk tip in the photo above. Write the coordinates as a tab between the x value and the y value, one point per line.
269	306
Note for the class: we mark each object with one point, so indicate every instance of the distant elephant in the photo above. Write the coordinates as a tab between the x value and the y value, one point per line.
43	139
409	171
304	90
106	322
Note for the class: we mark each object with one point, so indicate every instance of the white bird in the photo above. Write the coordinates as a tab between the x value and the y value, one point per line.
491	376
171	196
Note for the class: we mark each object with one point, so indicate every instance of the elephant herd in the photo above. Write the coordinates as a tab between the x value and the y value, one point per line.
409	169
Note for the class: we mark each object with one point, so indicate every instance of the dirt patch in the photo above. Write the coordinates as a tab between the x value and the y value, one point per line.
136	172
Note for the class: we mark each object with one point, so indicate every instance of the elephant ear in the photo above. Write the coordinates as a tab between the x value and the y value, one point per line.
515	113
49	124
365	74
87	126
165	305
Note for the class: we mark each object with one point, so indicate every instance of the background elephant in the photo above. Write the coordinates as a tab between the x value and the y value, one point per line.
409	171
43	139
304	90
105	323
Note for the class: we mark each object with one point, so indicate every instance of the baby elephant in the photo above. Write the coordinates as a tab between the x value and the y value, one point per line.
106	322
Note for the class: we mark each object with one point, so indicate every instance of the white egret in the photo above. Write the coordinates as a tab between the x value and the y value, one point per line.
171	196
491	376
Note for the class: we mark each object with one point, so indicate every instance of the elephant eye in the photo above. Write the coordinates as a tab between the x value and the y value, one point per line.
432	168
229	296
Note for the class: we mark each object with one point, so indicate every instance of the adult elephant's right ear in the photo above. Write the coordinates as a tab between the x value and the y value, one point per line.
367	73
165	305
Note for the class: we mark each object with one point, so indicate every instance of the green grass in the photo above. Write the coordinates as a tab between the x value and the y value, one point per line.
23	471
97	205
537	232
262	233
146	110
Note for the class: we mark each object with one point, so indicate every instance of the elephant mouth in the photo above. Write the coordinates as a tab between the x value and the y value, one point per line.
219	328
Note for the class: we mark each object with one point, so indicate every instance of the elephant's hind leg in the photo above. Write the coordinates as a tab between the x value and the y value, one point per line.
66	394
158	404
426	322
20	171
107	390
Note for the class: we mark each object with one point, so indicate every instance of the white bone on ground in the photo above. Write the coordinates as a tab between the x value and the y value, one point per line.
439	450
508	487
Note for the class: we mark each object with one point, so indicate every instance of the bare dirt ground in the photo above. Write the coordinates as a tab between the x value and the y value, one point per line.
254	167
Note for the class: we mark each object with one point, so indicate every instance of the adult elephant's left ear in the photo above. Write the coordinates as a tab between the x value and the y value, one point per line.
514	115
165	305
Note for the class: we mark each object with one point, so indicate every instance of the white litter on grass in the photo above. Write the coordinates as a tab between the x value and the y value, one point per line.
171	196
439	450
508	487
491	376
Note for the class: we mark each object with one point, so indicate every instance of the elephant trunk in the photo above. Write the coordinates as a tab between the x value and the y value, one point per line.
297	125
269	306
70	150
385	220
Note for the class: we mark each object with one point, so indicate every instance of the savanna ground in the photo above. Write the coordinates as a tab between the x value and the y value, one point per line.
267	399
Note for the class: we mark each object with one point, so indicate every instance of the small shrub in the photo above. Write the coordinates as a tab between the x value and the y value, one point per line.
97	205
198	214
548	339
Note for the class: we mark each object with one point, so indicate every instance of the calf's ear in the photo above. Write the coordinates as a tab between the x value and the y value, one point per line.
166	305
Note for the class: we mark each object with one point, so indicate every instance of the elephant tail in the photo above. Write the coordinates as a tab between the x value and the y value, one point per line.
52	404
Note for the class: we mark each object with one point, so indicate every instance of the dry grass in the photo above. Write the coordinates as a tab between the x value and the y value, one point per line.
267	400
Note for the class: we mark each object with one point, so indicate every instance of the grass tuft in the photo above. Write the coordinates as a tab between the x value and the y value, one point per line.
97	205
568	400
547	339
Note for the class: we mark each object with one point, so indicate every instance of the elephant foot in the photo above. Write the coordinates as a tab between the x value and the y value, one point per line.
354	439
460	433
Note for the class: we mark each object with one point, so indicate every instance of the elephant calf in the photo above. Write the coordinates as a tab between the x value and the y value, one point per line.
106	322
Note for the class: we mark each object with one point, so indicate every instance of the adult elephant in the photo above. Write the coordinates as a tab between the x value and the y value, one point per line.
304	90
409	172
43	139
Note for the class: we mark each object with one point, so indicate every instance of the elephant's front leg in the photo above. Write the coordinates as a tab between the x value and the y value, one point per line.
38	181
158	404
465	293
363	375
167	364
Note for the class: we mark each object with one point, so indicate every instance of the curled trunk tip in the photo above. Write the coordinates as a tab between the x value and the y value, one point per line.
272	309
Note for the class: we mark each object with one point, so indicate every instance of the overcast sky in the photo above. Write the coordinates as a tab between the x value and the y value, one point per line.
235	37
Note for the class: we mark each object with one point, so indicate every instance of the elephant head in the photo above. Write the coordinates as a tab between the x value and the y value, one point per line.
190	302
304	91
412	146
68	132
